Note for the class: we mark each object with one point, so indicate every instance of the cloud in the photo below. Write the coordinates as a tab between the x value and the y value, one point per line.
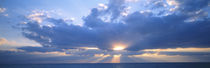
40	49
180	50
181	35
154	57
102	6
38	16
2	10
137	30
168	31
38	57
8	45
196	10
131	0
103	57
3	41
51	54
189	6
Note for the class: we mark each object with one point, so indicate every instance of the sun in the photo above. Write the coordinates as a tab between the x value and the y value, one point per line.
117	47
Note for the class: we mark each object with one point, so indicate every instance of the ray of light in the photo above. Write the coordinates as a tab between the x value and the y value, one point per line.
100	57
116	58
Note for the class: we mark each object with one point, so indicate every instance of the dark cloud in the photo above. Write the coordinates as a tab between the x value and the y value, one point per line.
139	30
168	32
196	54
14	57
11	57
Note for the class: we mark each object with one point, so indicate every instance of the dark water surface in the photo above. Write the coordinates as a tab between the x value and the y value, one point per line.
110	65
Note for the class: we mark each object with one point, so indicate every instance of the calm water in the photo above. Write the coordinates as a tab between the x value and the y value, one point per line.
109	65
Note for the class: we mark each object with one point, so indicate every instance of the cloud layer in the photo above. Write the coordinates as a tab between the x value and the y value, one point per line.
185	27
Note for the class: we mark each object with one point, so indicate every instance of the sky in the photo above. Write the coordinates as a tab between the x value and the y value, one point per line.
104	31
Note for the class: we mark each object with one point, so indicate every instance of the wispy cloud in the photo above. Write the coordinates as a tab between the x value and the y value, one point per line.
13	45
2	10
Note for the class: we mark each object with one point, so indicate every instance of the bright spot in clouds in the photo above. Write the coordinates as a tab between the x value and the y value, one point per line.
119	46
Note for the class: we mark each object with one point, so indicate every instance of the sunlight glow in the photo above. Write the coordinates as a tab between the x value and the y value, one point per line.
156	57
116	58
180	50
118	46
100	57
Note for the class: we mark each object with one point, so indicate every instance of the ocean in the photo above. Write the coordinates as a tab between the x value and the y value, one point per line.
110	65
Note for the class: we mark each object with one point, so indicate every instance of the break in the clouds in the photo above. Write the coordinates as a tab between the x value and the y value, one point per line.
186	26
116	31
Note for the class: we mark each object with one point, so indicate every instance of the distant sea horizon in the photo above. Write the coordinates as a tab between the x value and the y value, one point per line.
112	65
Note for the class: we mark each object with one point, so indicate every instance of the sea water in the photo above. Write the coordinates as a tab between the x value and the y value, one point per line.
110	65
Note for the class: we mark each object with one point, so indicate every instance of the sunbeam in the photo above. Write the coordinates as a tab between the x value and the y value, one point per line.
100	58
116	58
